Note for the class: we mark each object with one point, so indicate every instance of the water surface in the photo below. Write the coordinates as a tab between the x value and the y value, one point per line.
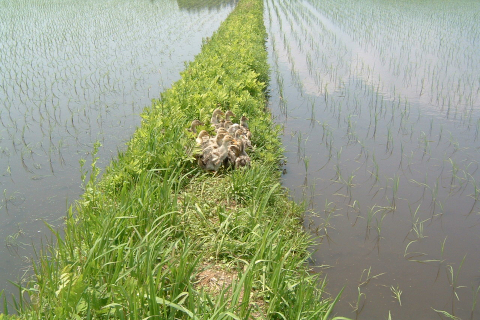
380	104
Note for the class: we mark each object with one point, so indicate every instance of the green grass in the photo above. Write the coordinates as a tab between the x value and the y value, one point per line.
157	238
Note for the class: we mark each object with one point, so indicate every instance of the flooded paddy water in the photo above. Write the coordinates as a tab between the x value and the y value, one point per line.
380	105
73	73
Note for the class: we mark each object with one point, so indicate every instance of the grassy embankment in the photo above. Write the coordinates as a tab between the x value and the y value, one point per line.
157	238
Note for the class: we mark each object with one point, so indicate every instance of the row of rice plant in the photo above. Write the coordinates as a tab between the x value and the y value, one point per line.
376	149
156	237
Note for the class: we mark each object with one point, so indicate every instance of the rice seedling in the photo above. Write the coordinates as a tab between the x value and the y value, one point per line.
453	278
375	171
13	243
378	227
397	294
475	292
396	184
417	225
360	303
473	195
306	161
446	314
365	281
412	256
6	200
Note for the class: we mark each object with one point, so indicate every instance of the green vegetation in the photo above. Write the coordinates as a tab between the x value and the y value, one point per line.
158	238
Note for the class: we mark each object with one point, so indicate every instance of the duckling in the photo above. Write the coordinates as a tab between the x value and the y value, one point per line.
213	160
214	143
243	160
246	131
214	120
248	140
195	123
203	139
233	153
243	125
239	134
243	122
229	114
220	124
233	128
228	124
217	140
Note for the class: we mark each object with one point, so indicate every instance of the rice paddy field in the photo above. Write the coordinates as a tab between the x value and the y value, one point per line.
74	73
380	105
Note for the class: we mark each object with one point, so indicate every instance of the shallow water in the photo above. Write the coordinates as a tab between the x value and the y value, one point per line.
380	102
74	73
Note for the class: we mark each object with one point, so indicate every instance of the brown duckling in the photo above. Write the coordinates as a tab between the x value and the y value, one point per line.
217	140
215	117
228	124
233	128
240	134
220	124
242	160
229	114
233	152
194	125
211	161
243	122
203	139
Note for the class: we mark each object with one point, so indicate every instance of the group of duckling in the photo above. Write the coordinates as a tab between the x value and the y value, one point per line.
225	148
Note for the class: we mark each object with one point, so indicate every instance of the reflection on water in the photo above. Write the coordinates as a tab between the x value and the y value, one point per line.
74	73
194	5
380	103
